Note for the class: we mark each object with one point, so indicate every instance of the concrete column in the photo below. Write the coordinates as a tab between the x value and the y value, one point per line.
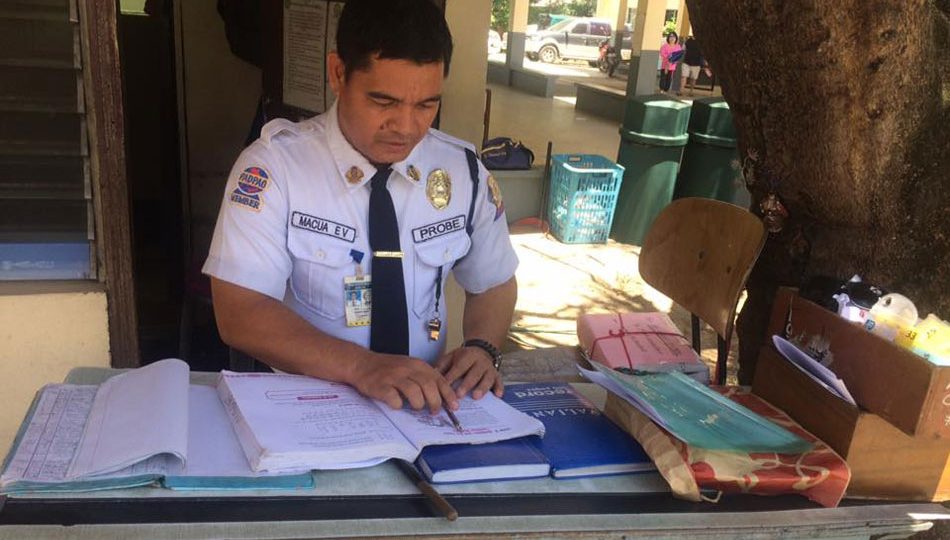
619	20
606	9
516	33
463	94
683	27
647	37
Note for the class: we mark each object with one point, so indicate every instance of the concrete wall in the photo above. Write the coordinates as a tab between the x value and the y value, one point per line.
44	334
463	104
607	9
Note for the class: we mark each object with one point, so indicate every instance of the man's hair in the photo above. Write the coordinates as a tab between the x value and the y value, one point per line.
412	30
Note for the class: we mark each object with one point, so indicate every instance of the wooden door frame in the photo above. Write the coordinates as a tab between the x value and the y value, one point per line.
102	81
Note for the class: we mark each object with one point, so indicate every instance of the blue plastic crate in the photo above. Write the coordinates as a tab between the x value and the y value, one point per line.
583	197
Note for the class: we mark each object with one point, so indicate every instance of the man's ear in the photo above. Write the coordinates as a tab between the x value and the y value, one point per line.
336	71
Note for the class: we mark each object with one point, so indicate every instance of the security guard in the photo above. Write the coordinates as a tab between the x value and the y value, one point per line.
367	202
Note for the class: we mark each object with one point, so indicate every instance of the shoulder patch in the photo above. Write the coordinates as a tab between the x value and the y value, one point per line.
251	185
445	137
494	196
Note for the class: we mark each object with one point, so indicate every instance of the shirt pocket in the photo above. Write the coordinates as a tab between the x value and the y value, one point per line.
319	269
429	258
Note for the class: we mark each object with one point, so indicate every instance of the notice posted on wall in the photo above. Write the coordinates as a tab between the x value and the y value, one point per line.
305	49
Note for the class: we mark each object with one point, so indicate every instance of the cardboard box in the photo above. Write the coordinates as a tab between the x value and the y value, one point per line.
886	462
901	387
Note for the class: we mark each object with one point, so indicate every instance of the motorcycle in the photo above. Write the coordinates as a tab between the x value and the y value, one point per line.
608	58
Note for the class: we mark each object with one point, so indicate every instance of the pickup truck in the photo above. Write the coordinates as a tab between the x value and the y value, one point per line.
574	39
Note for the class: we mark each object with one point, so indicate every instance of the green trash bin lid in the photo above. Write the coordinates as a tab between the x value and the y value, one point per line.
656	116
713	140
653	140
711	116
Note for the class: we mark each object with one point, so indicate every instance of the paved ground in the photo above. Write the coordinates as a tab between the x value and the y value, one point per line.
557	282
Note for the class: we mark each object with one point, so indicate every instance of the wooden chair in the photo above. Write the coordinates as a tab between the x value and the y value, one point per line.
699	253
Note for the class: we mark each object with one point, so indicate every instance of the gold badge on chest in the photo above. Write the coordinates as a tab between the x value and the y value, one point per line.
439	189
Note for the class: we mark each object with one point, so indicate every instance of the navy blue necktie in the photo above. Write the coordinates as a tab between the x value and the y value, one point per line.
389	326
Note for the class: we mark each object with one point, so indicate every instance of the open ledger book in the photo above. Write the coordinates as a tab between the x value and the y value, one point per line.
145	426
289	422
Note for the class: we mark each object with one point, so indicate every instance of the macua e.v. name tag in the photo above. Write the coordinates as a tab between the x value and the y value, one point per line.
323	226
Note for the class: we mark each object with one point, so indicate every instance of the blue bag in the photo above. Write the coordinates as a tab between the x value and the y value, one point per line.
503	153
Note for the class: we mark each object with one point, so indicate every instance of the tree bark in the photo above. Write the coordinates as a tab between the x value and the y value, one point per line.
846	106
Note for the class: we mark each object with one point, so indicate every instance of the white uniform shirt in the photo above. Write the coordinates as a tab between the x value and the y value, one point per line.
291	220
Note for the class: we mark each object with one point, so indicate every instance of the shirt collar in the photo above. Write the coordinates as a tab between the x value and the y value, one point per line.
355	170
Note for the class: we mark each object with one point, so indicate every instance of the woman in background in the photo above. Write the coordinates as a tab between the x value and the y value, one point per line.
668	64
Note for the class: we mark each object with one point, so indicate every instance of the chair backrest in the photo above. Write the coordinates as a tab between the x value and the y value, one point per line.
699	252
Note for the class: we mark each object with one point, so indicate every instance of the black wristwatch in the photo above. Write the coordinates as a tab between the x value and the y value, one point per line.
487	347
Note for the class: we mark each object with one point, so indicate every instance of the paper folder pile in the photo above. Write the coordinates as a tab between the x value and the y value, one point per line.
639	341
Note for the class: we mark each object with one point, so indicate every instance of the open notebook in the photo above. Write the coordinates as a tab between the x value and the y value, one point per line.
286	422
145	426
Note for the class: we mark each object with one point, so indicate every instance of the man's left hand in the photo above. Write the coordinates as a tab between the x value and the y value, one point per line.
474	368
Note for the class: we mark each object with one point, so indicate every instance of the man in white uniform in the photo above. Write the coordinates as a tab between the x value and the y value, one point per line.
366	198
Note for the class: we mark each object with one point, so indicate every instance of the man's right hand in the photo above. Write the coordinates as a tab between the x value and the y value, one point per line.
277	335
393	378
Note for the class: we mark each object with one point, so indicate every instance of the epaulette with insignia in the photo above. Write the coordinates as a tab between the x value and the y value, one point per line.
278	127
445	137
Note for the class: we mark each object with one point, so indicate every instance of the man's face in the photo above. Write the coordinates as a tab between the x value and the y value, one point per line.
385	110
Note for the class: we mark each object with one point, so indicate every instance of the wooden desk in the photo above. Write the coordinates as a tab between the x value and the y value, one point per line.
378	501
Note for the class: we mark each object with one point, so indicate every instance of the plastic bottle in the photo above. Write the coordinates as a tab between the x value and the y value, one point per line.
931	340
894	314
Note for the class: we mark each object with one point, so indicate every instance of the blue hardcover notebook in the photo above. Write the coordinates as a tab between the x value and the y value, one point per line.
579	440
504	460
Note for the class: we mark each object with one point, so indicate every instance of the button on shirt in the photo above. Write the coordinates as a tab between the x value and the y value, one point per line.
295	211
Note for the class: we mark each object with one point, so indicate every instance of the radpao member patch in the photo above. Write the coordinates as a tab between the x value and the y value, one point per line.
437	229
323	226
251	184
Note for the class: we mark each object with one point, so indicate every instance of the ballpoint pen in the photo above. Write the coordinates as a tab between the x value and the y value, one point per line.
454	419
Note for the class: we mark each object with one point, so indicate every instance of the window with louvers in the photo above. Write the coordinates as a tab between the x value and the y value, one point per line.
46	213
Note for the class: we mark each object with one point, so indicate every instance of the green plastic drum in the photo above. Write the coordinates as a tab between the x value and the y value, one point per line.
711	117
707	169
651	145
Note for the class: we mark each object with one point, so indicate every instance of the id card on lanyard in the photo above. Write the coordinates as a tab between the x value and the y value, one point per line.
358	294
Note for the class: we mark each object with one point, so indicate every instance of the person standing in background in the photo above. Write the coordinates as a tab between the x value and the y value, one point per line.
669	55
692	63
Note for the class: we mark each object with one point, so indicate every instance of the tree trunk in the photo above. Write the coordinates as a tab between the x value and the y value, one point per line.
845	106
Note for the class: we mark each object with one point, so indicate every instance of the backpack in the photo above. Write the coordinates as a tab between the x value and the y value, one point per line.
503	153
